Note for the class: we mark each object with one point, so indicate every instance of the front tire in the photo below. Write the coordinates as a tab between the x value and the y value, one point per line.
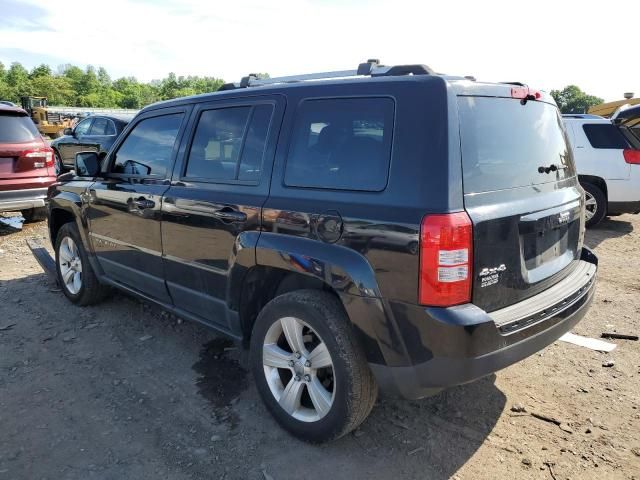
309	368
595	204
75	274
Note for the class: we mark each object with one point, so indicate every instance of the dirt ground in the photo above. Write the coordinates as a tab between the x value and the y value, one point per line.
125	391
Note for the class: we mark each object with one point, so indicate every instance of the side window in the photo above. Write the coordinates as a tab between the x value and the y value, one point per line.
148	148
229	143
83	127
110	128
253	150
603	135
341	144
99	126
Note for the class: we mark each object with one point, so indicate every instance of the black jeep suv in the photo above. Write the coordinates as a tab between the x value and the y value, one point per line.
394	228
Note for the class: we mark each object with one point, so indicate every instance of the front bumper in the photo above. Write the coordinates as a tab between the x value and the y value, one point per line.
11	200
456	345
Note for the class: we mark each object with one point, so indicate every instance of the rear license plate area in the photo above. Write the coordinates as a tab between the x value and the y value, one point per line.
6	165
542	247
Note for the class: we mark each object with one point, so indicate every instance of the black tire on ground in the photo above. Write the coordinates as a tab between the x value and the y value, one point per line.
34	214
599	208
91	291
355	389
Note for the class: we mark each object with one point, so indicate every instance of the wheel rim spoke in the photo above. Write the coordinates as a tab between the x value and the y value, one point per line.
65	252
290	399
67	276
274	356
292	329
320	357
320	396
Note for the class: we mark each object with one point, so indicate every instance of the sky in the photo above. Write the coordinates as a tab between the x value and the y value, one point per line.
546	44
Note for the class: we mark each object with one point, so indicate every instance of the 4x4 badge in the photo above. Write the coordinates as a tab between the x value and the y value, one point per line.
489	271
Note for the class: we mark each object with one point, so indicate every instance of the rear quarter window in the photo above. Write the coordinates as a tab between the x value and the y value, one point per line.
603	135
342	144
17	129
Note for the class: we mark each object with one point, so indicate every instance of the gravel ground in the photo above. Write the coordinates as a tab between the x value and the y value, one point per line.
125	391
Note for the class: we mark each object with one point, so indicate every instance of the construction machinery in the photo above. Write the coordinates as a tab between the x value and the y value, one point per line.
609	108
48	123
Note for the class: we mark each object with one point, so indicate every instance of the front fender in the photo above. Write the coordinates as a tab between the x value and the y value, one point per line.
68	198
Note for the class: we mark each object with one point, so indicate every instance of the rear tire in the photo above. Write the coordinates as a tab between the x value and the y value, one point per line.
331	394
75	274
596	204
34	214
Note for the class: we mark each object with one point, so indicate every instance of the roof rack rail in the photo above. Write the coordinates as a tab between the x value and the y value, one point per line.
371	67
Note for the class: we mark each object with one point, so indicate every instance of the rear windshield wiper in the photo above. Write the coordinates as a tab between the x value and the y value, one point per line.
551	168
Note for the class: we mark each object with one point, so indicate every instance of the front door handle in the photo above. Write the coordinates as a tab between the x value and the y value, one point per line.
143	203
228	214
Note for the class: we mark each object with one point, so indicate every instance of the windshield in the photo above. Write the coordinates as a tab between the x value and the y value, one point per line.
16	129
504	143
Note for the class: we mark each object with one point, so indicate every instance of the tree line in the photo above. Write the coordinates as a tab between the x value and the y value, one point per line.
74	87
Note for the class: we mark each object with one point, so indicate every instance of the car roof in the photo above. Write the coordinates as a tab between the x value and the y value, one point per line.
370	72
593	119
582	115
125	118
460	85
8	109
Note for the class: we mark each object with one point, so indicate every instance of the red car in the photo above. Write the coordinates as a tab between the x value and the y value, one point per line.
26	165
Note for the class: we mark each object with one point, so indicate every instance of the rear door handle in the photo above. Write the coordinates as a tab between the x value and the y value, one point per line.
143	203
228	214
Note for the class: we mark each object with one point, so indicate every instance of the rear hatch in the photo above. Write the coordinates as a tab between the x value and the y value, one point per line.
23	152
522	195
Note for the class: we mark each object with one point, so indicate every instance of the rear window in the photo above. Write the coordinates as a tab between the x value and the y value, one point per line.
504	143
341	143
604	135
17	129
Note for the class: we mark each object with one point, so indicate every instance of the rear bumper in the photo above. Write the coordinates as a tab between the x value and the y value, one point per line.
618	208
22	199
456	345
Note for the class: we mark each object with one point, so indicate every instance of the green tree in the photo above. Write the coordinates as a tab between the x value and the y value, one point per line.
40	71
72	86
573	100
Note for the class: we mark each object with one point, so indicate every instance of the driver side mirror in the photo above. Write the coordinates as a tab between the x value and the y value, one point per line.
87	164
68	131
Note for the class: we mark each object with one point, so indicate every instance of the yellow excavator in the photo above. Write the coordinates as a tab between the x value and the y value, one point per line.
48	123
609	108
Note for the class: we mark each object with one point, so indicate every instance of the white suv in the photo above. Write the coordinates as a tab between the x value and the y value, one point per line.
607	157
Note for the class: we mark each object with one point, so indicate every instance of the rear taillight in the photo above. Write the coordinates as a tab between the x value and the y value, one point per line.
446	255
632	156
41	157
